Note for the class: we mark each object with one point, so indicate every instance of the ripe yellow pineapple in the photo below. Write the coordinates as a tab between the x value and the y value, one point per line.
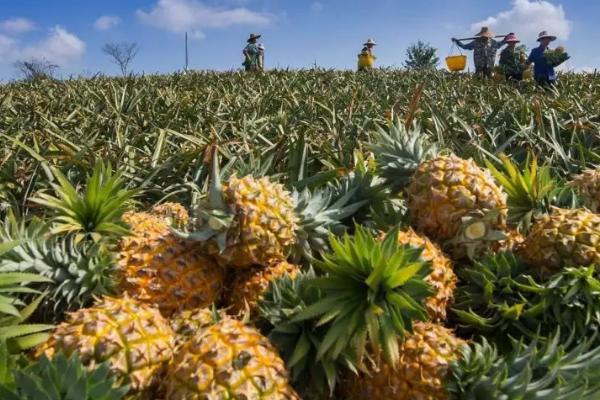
441	278
587	185
513	242
175	214
420	374
247	222
565	238
446	189
133	337
227	360
156	266
248	286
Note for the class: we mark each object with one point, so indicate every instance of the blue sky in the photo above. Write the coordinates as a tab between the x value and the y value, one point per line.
296	33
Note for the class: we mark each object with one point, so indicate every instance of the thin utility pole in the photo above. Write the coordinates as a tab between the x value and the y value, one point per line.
186	53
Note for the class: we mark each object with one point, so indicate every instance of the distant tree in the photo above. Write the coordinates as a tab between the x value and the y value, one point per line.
36	68
421	56
122	54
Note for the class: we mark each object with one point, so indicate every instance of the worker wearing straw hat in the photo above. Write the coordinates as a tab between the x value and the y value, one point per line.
484	51
542	71
366	58
251	53
513	61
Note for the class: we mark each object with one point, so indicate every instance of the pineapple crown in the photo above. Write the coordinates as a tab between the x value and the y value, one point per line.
372	290
97	212
76	271
319	215
399	151
541	370
497	296
299	341
62	378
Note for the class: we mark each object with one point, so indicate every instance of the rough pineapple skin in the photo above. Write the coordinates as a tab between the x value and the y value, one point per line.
442	277
158	267
565	238
248	285
264	222
513	242
174	213
425	357
447	188
587	185
228	360
133	337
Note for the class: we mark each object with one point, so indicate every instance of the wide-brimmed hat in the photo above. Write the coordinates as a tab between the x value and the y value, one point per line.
511	38
254	36
485	32
370	42
545	35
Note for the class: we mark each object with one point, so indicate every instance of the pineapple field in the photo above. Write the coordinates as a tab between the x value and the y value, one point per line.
311	234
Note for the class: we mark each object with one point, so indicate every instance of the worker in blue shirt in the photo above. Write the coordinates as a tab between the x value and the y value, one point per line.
542	71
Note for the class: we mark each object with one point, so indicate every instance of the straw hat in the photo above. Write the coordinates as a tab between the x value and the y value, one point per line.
511	38
485	32
545	35
254	36
370	42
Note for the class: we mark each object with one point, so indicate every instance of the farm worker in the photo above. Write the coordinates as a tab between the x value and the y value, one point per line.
261	57
251	53
484	51
542	71
366	58
512	60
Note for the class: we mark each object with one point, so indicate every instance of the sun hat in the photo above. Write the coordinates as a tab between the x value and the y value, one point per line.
511	38
485	32
545	35
370	42
254	36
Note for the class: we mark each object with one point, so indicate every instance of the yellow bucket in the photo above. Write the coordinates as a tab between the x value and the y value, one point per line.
456	63
365	61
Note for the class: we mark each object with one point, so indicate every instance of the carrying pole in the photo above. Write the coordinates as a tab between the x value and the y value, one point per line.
477	37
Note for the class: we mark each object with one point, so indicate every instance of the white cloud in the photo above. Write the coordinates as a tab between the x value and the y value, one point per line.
59	46
107	22
16	25
527	18
180	16
316	7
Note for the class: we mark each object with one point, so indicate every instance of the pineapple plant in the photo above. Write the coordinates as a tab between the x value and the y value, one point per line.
587	184
450	199
158	267
565	237
131	337
442	278
423	367
227	360
249	285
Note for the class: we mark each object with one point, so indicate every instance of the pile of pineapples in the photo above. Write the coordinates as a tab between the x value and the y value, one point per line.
417	274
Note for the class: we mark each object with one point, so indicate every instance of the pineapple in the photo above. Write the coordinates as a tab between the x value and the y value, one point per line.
157	266
227	360
132	337
423	367
174	213
451	200
587	185
249	222
442	278
566	237
249	285
512	242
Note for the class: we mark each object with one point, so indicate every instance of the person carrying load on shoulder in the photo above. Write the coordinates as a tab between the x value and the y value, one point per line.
261	57
366	59
484	51
545	60
251	53
512	60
